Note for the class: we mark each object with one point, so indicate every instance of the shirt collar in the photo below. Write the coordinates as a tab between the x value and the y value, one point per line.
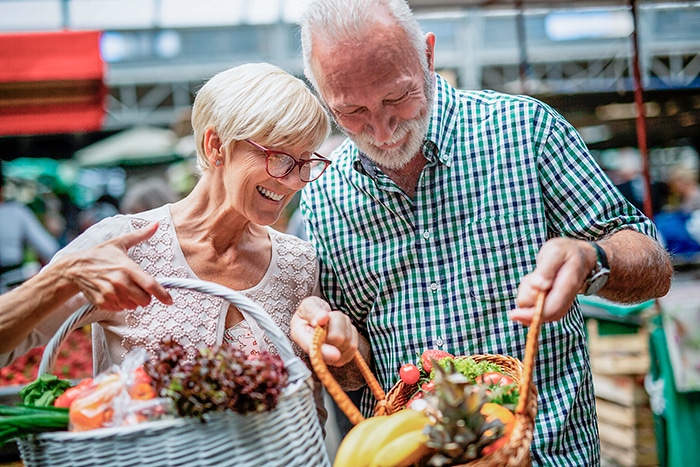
443	126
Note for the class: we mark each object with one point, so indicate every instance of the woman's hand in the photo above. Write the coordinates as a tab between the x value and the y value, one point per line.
342	338
109	278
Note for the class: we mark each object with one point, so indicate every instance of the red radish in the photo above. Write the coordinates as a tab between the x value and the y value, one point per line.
494	378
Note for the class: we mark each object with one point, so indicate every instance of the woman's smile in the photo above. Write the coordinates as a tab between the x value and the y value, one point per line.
271	195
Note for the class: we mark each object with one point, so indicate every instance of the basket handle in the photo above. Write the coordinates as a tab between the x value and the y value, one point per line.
353	413
334	390
531	346
296	368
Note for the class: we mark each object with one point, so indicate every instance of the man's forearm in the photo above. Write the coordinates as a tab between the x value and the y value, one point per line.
640	268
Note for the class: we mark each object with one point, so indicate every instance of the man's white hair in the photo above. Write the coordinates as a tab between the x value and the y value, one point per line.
351	22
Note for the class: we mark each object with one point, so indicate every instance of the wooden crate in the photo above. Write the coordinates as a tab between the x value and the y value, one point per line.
626	390
618	354
625	421
613	455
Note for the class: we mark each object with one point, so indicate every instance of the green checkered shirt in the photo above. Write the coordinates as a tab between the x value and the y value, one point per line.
504	174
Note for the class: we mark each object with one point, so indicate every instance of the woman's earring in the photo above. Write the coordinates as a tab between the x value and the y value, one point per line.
218	162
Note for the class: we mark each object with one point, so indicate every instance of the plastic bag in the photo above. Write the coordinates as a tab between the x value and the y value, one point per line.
120	396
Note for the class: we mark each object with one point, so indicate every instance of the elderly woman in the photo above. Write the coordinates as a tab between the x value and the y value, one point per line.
256	129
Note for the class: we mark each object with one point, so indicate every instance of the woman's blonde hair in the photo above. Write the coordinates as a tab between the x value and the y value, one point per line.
261	102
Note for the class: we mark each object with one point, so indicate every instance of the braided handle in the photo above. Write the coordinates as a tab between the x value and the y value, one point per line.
531	346
296	368
334	390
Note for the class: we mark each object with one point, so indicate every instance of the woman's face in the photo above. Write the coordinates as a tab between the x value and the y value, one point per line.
251	191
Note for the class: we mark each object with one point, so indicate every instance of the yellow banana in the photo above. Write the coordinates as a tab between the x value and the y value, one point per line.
403	451
353	441
359	448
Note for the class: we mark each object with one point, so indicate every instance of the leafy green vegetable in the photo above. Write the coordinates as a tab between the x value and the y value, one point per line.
507	395
44	390
469	367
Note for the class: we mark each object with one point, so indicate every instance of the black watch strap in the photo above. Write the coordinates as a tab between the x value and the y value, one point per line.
602	257
598	276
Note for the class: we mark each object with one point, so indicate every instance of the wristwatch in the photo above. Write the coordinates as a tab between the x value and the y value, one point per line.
599	274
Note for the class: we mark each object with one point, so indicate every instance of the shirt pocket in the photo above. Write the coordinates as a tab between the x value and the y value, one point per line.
500	250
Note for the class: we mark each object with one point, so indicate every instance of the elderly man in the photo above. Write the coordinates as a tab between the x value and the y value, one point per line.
446	212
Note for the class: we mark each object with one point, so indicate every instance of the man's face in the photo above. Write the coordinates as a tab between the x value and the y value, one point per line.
379	95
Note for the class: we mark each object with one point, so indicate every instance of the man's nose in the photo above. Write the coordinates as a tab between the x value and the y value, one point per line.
382	126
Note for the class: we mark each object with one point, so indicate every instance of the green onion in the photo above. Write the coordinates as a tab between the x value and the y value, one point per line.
21	420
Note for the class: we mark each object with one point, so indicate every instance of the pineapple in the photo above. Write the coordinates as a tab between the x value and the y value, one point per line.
461	431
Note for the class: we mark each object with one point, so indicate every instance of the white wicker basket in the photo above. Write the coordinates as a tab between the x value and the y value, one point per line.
290	435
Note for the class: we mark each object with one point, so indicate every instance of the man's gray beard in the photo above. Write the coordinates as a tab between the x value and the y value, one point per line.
395	158
417	129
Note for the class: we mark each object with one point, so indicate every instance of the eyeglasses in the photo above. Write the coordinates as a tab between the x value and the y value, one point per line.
280	164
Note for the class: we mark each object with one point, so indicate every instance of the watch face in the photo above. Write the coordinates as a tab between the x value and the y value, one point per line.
597	282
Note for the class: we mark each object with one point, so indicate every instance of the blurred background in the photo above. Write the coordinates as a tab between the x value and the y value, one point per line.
95	98
95	93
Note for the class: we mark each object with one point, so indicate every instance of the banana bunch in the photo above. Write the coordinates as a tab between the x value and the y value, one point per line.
395	440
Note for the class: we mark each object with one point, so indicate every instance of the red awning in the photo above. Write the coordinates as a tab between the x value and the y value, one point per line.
51	82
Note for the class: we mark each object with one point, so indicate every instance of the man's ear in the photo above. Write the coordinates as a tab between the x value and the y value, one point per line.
430	50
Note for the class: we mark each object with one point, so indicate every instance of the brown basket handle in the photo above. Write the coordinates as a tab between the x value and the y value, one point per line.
531	345
336	392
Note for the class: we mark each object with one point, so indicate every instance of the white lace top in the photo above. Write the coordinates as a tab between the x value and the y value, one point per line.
241	336
194	318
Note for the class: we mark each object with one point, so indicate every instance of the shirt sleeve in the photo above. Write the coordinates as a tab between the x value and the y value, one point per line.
582	202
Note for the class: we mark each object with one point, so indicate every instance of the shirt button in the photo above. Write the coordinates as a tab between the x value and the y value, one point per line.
426	235
433	287
439	342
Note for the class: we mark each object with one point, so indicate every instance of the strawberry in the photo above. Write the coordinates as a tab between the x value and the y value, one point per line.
432	354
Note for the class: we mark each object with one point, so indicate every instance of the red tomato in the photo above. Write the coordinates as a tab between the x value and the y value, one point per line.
432	354
494	378
409	373
428	386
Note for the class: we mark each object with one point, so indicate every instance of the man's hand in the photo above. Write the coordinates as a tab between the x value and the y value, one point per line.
109	278
562	266
640	270
342	338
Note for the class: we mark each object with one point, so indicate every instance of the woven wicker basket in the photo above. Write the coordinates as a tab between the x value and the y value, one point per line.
289	435
515	453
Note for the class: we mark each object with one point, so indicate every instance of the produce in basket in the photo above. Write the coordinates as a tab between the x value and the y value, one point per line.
17	421
36	414
120	396
219	378
465	413
468	396
468	425
389	440
499	387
